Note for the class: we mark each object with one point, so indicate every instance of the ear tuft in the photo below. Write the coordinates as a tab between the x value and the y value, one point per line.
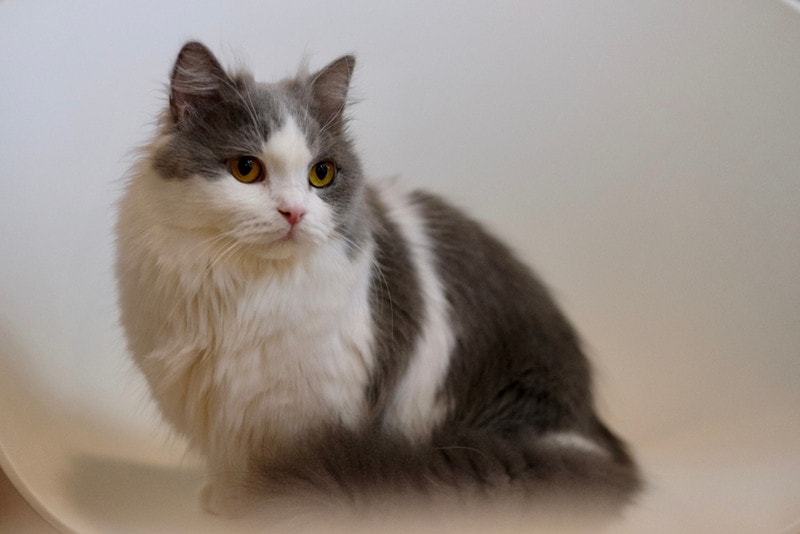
329	89
197	79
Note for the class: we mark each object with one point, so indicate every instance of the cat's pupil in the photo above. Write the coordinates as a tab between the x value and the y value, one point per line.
322	170
245	166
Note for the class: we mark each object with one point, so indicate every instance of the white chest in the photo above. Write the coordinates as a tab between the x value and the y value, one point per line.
260	361
293	357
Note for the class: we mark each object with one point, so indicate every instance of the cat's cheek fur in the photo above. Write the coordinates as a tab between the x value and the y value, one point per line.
226	209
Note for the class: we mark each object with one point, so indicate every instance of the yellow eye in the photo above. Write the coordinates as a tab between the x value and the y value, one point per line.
321	174
246	169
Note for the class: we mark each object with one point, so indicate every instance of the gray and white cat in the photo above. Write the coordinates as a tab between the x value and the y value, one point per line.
307	330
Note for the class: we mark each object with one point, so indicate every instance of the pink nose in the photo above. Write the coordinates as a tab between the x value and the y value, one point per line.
292	215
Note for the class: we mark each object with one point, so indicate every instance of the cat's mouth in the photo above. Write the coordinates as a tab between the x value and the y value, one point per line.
289	237
290	233
281	243
286	244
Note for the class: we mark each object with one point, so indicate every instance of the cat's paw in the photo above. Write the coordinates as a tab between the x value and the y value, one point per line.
223	500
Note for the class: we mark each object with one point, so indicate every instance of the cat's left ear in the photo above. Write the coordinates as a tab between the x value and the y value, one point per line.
197	81
329	89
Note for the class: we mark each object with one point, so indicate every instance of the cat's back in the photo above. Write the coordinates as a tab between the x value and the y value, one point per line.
490	342
517	362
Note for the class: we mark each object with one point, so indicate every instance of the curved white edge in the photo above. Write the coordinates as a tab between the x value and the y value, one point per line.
24	432
29	494
795	4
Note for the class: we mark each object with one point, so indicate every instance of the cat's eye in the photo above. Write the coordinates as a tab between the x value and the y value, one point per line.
246	169
321	173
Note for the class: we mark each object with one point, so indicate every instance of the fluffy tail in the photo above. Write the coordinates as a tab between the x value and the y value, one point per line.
342	467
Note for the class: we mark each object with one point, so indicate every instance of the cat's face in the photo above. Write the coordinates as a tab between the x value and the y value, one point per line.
263	169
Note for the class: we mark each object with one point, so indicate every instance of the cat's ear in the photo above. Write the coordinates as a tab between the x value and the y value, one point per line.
329	89
197	80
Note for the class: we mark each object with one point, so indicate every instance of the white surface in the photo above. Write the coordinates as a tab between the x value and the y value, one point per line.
643	155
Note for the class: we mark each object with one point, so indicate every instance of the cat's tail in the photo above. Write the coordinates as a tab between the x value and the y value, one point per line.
343	467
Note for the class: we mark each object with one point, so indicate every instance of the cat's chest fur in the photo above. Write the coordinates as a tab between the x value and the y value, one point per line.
295	346
264	356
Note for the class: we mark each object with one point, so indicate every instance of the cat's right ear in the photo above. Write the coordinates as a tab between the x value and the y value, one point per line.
197	81
329	88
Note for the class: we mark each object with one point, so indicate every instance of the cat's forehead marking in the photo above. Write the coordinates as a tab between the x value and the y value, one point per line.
286	150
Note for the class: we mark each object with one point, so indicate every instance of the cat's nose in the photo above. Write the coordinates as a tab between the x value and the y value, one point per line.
292	215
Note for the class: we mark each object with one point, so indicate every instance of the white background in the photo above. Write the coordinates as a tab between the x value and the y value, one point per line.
642	155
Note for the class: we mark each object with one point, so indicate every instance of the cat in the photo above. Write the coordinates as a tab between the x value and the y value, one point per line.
309	331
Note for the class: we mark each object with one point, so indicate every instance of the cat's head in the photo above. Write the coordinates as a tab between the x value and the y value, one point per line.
265	168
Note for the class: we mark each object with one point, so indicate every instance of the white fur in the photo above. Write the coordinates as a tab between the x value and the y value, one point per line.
250	332
573	440
287	159
417	406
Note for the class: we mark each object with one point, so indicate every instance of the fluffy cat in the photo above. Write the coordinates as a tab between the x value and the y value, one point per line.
308	331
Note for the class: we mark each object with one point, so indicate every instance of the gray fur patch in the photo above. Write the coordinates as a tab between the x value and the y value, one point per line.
517	362
396	303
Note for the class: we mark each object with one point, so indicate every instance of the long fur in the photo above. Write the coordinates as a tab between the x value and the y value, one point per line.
379	344
342	467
